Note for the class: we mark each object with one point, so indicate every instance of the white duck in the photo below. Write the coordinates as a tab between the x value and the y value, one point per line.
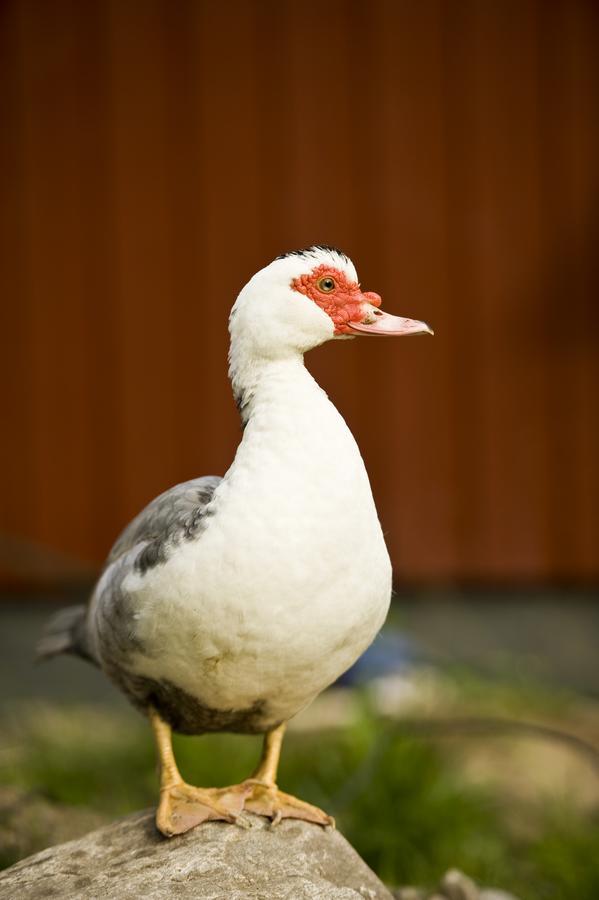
229	603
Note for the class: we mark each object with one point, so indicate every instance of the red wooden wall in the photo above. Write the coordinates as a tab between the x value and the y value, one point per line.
155	153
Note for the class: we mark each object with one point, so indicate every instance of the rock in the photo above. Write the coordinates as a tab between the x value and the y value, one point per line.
128	859
496	894
29	822
457	886
453	886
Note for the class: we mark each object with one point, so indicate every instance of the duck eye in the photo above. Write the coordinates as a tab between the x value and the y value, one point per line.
326	284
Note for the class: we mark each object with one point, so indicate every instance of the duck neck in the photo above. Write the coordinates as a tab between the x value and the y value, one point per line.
253	377
296	447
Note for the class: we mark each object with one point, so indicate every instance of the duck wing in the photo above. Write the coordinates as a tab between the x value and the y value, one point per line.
175	515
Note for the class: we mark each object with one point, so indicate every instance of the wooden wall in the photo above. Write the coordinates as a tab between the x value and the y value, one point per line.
155	153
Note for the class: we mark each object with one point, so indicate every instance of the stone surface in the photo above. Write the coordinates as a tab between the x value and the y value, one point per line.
217	861
453	886
457	886
29	823
496	894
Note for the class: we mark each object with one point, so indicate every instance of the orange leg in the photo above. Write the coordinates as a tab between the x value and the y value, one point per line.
266	799
183	806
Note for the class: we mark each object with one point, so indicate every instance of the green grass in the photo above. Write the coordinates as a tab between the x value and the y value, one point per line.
404	803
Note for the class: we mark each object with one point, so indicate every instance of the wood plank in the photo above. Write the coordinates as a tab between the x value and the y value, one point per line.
577	469
409	437
55	59
17	446
144	353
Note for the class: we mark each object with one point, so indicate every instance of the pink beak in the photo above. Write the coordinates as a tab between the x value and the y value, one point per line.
378	322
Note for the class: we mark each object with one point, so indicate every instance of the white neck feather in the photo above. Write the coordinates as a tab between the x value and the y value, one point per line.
251	374
295	441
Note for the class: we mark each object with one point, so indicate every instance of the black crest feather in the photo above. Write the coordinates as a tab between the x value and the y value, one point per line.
311	251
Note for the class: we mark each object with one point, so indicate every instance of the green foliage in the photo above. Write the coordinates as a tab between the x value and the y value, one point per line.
404	803
564	859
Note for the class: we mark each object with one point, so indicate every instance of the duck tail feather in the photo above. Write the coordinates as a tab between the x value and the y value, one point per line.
65	632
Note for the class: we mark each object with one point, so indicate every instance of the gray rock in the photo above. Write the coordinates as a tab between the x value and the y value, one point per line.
457	886
453	886
216	861
29	823
496	894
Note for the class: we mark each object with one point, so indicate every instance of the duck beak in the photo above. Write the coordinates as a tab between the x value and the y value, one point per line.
377	322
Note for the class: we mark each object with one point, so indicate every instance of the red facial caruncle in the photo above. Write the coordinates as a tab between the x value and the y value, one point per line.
352	310
341	298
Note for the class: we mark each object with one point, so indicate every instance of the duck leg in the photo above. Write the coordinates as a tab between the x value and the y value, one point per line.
266	799
183	806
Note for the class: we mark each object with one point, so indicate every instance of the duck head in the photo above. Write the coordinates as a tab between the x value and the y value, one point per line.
306	297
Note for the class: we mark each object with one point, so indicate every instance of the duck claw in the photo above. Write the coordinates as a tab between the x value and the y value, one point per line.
267	800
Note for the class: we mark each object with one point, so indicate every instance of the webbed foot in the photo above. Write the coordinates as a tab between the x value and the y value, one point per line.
183	806
266	799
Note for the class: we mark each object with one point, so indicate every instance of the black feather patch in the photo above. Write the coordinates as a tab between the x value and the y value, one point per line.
311	251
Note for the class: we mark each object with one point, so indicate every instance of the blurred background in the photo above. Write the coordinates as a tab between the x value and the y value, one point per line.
154	155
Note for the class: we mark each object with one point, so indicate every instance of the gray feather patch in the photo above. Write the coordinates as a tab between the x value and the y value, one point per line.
65	632
178	514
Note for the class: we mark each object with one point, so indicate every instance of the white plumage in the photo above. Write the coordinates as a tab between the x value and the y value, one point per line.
290	580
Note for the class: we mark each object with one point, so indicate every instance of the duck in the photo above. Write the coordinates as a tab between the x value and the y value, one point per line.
229	603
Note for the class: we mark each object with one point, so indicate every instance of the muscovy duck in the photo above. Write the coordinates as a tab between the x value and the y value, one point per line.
229	604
